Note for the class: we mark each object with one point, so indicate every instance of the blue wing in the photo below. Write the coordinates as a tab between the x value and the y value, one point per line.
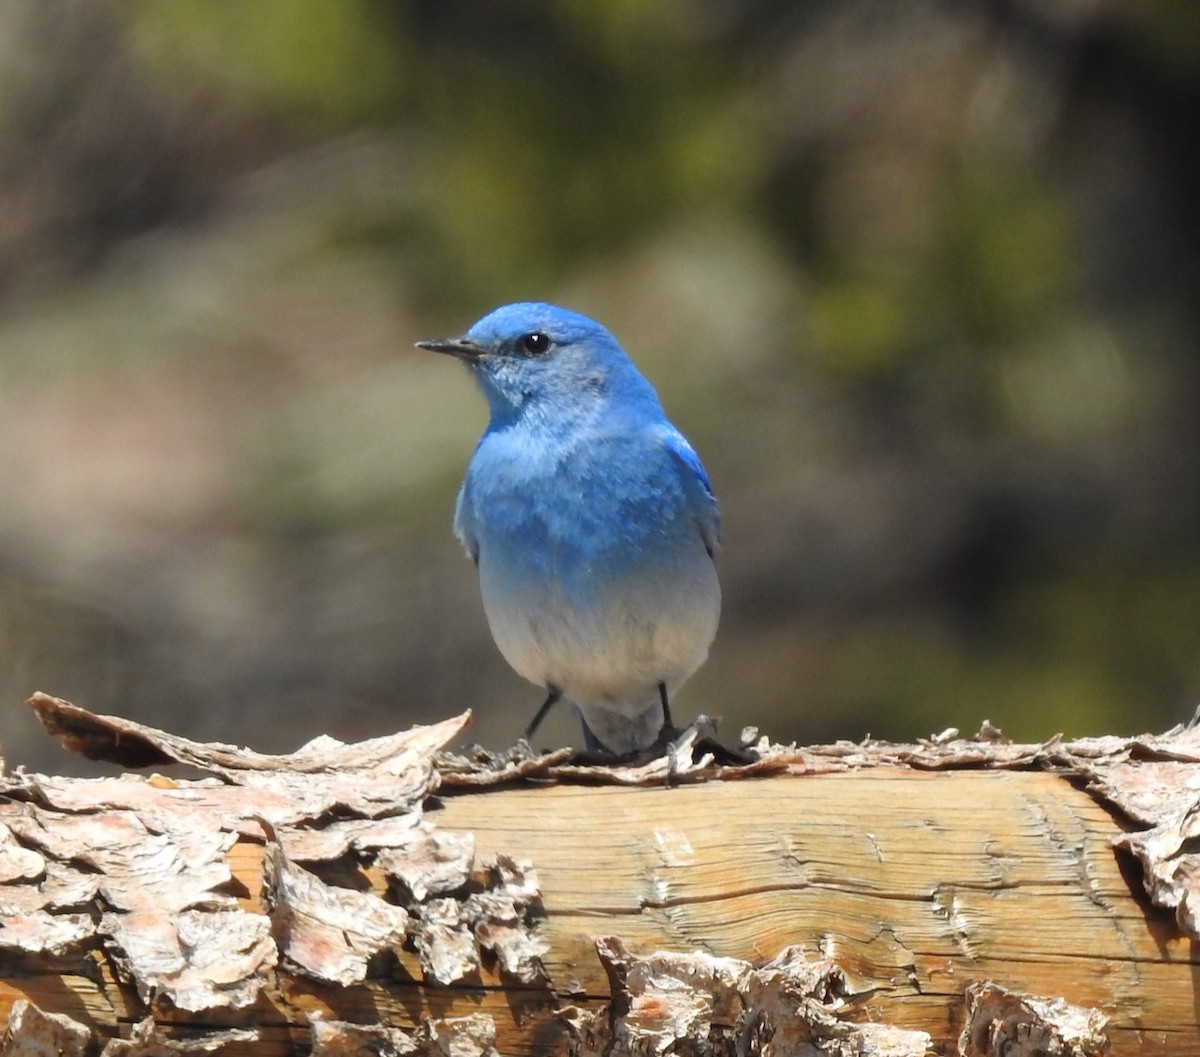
701	501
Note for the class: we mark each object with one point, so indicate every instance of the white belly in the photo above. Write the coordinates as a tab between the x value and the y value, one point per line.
607	645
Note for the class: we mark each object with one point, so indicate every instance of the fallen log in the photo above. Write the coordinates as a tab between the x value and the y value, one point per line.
970	896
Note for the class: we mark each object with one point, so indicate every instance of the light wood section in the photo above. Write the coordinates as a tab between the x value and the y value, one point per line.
916	883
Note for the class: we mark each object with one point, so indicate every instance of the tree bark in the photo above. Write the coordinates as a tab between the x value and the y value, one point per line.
951	896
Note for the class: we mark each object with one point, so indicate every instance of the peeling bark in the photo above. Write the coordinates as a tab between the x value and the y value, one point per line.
999	1021
31	1032
326	931
705	1006
459	1037
966	895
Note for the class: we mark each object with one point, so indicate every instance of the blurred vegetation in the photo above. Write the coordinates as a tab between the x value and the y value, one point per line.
920	282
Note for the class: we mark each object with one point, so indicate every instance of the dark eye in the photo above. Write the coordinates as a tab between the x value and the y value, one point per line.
536	343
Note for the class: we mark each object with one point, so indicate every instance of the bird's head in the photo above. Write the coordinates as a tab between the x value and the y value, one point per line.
535	358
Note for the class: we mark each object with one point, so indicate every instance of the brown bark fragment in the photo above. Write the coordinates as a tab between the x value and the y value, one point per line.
147	1040
431	862
702	1005
476	907
503	918
18	863
39	932
444	941
472	1036
1001	1022
33	1033
157	854
199	959
327	932
338	1038
1161	794
359	771
175	932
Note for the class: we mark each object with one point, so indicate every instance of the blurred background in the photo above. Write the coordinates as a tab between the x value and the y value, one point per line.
918	280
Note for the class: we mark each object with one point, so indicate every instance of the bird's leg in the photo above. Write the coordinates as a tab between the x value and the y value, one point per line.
666	735
662	695
668	731
554	694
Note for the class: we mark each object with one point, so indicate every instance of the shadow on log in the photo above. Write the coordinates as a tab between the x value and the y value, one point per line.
386	897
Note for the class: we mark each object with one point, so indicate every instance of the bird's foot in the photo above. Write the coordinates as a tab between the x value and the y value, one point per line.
521	750
739	755
667	734
681	745
699	738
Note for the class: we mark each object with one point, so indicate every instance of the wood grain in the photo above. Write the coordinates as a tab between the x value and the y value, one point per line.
916	884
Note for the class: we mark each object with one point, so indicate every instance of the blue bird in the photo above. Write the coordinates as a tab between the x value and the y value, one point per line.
591	521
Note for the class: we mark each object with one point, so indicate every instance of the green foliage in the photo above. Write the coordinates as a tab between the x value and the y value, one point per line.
1170	32
1006	255
860	328
315	60
555	131
589	128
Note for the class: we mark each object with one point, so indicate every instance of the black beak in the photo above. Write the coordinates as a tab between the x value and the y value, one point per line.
463	348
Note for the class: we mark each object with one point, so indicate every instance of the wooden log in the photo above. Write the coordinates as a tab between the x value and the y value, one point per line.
945	897
914	884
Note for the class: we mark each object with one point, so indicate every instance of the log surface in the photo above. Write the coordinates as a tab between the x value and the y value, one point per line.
951	896
916	884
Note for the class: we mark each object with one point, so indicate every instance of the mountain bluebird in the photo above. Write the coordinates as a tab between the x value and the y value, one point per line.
591	521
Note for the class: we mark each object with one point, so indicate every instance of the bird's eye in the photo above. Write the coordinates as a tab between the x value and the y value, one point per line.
536	343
